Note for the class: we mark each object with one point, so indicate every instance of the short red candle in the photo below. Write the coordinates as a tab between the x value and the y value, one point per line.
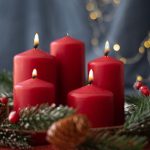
109	75
70	58
95	103
33	92
25	62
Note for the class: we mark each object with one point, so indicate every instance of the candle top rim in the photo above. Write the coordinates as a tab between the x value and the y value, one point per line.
67	40
33	83
106	59
35	53
91	90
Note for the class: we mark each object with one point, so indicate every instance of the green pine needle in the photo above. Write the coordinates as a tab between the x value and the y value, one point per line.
136	99
106	141
3	112
6	81
10	138
139	121
39	118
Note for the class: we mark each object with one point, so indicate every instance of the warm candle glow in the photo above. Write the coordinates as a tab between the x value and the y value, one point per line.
91	76
36	40
34	73
107	48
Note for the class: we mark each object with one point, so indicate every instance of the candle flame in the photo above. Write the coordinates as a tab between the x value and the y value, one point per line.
91	76
34	73
36	40
107	48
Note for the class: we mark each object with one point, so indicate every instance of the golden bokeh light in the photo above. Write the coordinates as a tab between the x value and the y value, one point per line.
95	14
147	44
90	6
116	2
141	50
116	47
139	78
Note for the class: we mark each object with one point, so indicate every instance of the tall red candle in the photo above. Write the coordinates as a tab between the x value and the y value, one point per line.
70	58
109	75
95	103
25	62
33	92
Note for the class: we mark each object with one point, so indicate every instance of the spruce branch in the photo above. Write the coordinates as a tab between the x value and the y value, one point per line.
3	112
107	141
139	121
136	99
6	81
129	109
67	129
12	139
39	118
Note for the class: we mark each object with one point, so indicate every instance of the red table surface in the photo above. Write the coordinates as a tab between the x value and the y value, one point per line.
48	147
34	148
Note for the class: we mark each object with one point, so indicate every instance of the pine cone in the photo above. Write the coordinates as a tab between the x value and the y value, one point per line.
68	133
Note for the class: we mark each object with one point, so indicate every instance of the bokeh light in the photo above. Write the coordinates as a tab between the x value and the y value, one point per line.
116	47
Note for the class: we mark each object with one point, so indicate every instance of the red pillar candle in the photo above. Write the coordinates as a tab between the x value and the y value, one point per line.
109	75
70	58
95	103
25	62
33	92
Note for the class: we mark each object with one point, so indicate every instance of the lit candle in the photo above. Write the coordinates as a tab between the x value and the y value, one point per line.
97	104
25	62
33	92
70	58
109	75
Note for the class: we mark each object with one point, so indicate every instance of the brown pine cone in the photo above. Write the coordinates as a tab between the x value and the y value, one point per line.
68	133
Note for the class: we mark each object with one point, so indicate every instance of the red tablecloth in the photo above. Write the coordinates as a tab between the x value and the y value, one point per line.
35	148
50	148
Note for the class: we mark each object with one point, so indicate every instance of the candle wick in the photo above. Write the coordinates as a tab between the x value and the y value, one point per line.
35	46
106	52
33	77
90	82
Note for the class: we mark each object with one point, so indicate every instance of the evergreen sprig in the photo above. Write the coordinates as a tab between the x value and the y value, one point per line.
39	118
3	112
136	99
107	141
11	138
6	86
139	121
6	81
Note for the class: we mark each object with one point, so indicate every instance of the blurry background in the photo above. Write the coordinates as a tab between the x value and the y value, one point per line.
125	23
